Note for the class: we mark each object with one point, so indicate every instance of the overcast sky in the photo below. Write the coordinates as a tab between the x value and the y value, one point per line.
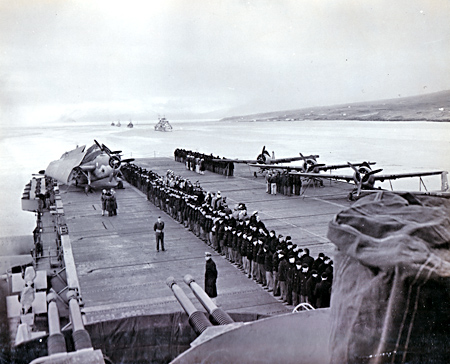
71	58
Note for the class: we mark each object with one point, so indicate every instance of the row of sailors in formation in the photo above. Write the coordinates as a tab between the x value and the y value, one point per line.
141	178
199	162
275	262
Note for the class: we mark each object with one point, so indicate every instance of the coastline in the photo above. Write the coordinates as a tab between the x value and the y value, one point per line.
433	107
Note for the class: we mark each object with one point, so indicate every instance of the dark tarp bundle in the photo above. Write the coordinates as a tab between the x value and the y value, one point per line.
391	294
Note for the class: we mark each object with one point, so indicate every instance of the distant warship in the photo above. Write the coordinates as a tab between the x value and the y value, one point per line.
163	125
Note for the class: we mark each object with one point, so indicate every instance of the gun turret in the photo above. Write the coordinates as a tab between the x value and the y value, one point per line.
197	319
80	336
56	342
218	315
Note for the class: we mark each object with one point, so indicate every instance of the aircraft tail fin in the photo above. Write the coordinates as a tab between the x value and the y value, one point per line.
444	181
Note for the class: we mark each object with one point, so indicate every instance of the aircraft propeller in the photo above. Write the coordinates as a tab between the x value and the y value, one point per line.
114	161
262	157
105	149
114	156
310	164
363	176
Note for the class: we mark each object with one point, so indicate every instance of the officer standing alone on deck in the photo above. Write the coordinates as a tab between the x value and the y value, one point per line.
159	233
210	277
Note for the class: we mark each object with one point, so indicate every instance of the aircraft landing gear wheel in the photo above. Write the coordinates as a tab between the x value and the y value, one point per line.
350	197
88	189
120	185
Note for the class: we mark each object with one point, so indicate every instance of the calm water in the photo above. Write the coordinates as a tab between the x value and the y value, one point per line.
395	146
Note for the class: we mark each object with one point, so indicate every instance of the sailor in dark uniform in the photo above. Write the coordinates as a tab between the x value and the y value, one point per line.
210	276
322	292
159	233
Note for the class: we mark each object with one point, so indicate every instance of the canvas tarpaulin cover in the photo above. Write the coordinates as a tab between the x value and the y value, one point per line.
143	339
391	293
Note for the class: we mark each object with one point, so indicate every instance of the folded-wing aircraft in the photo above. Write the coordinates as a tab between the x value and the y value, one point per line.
82	166
265	158
364	177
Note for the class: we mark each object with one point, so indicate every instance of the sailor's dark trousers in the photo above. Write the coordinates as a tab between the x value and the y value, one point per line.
159	238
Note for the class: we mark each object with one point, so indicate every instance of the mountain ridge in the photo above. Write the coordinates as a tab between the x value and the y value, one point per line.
430	107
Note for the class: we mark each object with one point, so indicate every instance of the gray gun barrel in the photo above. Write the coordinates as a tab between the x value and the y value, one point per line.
197	319
55	342
80	336
218	315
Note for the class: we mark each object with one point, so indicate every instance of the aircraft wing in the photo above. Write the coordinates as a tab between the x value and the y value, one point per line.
377	177
292	159
271	166
300	168
62	168
383	177
339	166
341	177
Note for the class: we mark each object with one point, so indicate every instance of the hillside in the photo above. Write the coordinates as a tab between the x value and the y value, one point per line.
430	107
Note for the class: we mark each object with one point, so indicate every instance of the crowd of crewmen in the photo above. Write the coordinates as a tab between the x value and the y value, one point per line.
273	261
199	162
283	183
